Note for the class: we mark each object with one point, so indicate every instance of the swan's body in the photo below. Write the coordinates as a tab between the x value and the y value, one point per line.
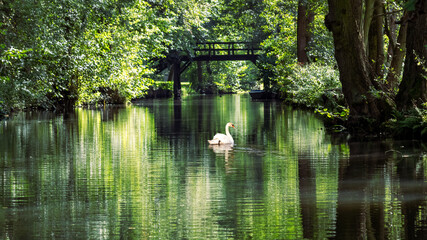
220	138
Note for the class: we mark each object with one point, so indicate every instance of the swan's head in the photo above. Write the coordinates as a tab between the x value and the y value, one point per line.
230	125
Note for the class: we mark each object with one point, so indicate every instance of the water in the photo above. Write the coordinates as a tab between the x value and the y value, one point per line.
146	171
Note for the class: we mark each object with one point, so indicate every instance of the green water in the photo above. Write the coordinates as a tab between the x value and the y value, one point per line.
146	171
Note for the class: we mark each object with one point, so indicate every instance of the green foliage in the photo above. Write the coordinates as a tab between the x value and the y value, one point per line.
75	52
280	24
115	54
412	123
14	87
238	20
267	69
342	115
315	86
222	77
282	40
68	52
312	85
410	5
82	51
321	48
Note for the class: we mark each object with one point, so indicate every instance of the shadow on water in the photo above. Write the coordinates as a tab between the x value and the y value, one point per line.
147	171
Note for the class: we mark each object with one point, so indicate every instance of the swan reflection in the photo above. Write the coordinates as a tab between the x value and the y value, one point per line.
223	149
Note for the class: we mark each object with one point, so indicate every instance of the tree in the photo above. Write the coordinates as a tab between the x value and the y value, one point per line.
413	89
358	78
305	18
374	35
396	49
238	20
55	53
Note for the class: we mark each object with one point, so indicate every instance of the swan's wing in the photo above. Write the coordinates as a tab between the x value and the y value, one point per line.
220	138
214	141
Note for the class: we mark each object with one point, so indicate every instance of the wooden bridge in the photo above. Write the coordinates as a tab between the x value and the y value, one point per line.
210	51
226	51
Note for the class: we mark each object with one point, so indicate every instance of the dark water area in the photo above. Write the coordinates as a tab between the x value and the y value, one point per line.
146	171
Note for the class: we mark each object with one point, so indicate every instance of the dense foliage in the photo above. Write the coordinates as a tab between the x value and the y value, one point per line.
67	52
63	53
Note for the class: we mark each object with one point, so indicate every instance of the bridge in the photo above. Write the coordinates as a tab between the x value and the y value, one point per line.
226	51
209	51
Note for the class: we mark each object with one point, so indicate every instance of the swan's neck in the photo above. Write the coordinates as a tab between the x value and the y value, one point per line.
227	132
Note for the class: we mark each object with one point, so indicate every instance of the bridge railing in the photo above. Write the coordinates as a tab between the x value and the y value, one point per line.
226	48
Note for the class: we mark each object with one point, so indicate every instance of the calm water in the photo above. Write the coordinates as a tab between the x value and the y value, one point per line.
146	171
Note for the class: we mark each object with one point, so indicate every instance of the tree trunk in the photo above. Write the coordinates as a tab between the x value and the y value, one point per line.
376	39
199	73
209	87
398	52
368	15
305	18
413	88
356	74
177	80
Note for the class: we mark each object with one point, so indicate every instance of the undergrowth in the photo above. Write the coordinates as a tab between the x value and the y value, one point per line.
410	124
318	87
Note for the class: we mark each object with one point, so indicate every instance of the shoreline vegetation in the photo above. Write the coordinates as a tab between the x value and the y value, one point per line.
65	54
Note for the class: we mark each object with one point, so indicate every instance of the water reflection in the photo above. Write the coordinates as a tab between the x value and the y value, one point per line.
147	171
222	150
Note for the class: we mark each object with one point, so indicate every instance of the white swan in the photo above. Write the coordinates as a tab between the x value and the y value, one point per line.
220	138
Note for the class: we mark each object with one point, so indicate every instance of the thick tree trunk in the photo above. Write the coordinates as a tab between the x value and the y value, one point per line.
356	74
413	88
305	18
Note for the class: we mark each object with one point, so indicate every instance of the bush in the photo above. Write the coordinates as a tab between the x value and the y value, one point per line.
315	86
312	85
410	124
160	90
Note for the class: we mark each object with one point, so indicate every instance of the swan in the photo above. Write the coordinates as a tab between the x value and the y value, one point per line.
220	138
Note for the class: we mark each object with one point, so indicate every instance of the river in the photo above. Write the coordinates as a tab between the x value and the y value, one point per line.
146	171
